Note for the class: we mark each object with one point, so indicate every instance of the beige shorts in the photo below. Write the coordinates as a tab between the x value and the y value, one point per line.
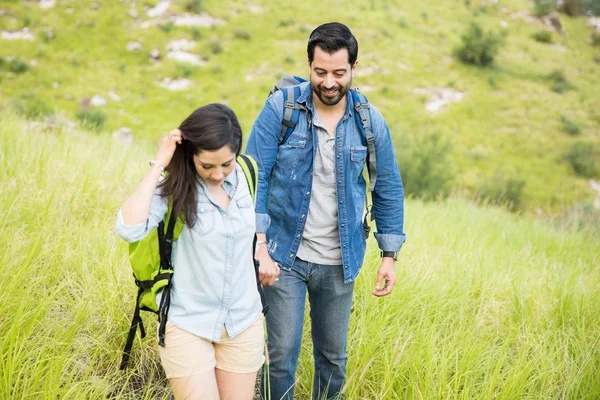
186	354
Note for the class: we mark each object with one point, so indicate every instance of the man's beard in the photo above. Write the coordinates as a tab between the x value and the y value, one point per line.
320	91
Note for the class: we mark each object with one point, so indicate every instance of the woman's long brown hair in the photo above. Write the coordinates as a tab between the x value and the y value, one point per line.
209	128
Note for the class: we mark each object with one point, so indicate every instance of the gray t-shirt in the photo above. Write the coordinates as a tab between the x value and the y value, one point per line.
321	239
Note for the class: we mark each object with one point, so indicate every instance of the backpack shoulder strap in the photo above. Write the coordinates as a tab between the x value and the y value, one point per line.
291	112
250	169
361	105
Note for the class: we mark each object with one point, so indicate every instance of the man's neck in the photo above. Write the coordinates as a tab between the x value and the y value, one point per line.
326	111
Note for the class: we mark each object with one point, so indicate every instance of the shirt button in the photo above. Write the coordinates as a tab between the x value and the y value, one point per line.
302	216
298	235
291	254
307	193
340	182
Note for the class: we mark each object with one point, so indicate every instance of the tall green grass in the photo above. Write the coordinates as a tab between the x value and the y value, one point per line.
488	305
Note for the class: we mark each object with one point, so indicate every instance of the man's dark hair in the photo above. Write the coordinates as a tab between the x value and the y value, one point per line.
332	37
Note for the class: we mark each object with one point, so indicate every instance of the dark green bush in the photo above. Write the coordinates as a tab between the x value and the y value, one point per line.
543	7
582	159
242	34
558	81
196	33
18	66
426	166
167	27
216	46
194	6
572	8
479	47
183	70
91	119
596	38
502	190
592	7
543	36
569	126
30	106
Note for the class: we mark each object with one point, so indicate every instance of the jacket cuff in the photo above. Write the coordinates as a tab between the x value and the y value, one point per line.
263	221
390	242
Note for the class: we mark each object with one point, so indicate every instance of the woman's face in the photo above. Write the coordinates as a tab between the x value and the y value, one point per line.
214	166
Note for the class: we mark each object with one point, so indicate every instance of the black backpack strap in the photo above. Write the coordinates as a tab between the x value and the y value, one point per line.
135	322
165	243
250	169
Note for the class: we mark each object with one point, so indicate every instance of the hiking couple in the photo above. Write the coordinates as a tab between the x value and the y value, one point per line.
305	228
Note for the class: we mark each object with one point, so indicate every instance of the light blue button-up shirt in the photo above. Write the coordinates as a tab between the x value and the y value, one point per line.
214	283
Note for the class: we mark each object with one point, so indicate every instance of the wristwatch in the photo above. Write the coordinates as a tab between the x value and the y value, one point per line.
392	254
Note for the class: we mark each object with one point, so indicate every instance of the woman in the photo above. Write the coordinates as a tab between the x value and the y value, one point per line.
214	334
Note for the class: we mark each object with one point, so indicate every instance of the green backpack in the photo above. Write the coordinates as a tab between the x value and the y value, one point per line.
150	259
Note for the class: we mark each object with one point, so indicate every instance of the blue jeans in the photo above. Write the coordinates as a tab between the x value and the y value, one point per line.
330	302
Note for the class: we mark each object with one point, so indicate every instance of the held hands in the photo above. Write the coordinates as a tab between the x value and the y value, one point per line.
167	147
268	271
386	273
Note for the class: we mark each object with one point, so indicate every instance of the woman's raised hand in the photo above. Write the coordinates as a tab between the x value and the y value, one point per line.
167	147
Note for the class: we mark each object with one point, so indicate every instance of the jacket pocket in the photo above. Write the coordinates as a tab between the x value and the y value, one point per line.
289	152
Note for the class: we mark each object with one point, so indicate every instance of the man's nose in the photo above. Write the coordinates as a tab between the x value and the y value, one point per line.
329	81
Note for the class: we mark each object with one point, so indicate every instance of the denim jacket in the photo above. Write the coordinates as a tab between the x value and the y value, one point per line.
285	182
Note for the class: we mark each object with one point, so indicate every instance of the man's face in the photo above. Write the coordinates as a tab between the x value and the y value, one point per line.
331	75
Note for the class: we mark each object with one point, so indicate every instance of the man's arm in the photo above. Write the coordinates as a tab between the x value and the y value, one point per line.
388	204
263	146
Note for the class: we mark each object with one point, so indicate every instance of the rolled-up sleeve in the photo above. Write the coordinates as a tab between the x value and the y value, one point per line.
134	233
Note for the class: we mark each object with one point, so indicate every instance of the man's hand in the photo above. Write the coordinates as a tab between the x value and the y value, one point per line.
268	271
386	273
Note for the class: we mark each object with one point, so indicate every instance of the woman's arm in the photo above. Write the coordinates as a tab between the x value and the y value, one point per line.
136	208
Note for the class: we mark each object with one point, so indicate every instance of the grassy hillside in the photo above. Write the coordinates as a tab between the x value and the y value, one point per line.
488	304
507	124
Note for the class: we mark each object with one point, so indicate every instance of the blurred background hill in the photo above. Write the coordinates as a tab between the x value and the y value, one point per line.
497	100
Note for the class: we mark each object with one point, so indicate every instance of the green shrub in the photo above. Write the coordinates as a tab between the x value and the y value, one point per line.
183	70
582	159
18	66
592	7
596	39
194	6
559	82
242	34
30	106
216	46
196	33
426	166
543	7
543	36
502	190
167	27
572	8
286	22
91	119
571	127
479	47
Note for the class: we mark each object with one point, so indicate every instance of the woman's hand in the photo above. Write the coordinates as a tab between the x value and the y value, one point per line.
168	144
268	270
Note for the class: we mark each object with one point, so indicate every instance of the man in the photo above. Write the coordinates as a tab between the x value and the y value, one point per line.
310	201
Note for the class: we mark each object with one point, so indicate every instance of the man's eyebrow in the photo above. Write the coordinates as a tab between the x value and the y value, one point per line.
335	70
